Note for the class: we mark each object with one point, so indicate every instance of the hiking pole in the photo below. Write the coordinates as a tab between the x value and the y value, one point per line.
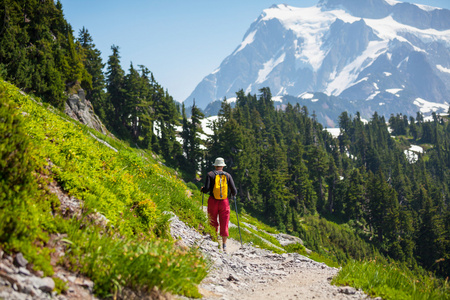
203	196
237	217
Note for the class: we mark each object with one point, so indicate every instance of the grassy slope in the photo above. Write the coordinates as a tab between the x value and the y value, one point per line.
128	187
132	189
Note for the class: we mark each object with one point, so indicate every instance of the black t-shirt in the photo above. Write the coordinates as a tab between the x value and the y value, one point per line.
209	183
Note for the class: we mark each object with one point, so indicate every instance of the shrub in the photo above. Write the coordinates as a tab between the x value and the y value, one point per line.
24	209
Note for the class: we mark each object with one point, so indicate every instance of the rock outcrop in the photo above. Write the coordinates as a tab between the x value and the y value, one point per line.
81	109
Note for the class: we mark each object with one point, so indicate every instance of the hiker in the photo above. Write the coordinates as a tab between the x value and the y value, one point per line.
218	183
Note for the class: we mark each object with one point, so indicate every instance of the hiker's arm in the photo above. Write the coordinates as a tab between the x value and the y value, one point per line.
207	187
233	187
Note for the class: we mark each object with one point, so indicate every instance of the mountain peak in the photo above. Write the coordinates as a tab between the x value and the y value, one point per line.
365	52
374	9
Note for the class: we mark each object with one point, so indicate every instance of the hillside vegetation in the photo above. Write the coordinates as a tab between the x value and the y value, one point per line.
128	187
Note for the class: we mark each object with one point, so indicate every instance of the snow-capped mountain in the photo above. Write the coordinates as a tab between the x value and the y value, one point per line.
373	54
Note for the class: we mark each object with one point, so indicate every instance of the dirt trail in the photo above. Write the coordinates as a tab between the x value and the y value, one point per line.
251	273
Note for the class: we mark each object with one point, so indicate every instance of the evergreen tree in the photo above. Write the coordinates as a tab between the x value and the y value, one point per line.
94	66
355	196
192	141
115	86
305	197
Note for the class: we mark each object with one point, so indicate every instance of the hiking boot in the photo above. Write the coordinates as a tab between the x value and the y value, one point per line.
225	248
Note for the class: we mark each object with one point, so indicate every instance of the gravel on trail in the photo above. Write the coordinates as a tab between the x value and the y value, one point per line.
247	272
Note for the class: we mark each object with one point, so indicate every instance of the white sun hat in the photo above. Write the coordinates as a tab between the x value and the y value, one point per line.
219	162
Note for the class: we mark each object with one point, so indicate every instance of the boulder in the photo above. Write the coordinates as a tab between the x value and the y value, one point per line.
20	261
79	108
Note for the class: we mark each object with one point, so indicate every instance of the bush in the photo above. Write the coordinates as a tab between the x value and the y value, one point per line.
24	209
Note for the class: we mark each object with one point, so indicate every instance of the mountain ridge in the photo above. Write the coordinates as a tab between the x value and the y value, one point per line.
336	49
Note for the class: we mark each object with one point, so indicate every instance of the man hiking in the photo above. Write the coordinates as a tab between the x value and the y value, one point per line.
218	183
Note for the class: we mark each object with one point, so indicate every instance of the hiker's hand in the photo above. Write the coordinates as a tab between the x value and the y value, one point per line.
201	189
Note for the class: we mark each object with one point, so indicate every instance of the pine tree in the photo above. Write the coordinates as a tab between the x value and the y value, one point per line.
94	66
430	243
115	82
318	167
305	197
355	196
192	142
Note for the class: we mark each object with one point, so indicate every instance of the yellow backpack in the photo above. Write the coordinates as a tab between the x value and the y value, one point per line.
220	189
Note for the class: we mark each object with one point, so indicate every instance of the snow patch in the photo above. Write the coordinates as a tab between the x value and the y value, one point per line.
307	96
309	24
442	69
387	74
314	100
392	2
277	98
411	153
416	148
394	91
350	72
231	100
247	40
426	7
381	103
268	67
389	29
359	81
335	132
411	156
371	97
427	106
205	123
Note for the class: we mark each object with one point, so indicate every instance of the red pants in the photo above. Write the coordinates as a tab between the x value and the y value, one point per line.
219	208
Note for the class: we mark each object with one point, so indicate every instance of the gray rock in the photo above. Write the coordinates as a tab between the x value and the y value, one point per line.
20	261
80	109
347	290
47	285
24	271
6	269
88	284
9	258
232	278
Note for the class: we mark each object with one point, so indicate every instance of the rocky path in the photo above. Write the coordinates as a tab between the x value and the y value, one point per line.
252	273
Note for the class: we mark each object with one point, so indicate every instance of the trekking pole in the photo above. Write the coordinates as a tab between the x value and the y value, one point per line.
203	196
237	217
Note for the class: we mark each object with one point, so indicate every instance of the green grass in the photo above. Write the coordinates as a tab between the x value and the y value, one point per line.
335	242
391	281
300	249
139	263
128	187
253	221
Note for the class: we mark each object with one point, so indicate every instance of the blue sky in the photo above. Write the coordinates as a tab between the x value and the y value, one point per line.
179	41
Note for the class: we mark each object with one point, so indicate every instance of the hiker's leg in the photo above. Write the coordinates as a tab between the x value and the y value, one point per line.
224	218
213	210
